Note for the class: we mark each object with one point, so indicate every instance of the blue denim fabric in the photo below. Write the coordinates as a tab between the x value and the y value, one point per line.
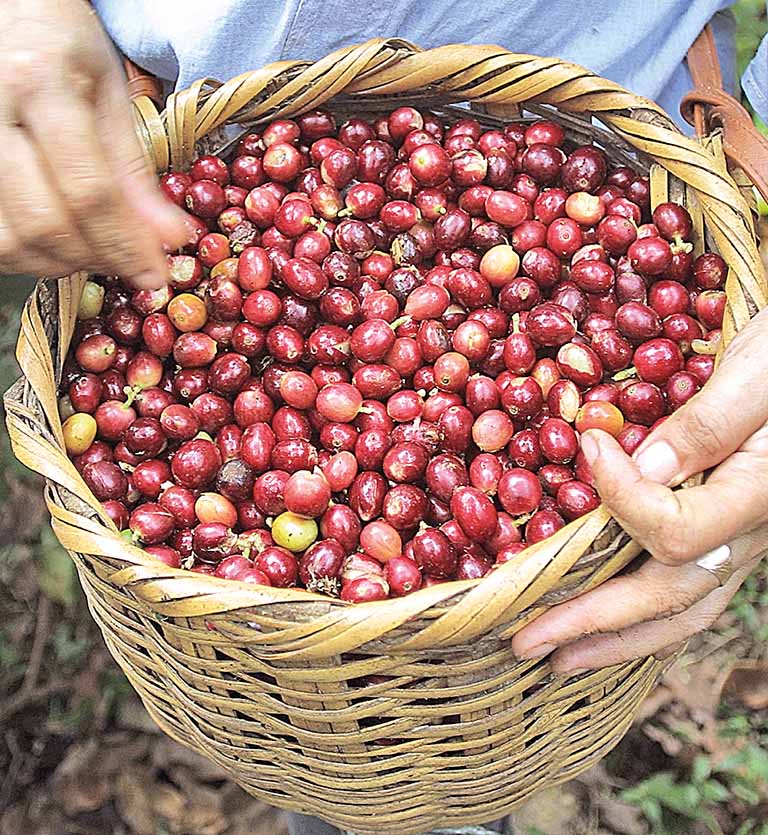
755	81
638	43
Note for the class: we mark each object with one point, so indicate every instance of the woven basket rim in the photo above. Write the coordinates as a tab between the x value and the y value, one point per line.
644	112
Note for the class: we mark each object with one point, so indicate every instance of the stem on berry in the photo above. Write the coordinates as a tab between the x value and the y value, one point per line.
679	245
403	320
131	392
625	374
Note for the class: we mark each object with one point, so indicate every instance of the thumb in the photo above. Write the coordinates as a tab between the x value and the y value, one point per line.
171	224
635	500
714	423
677	526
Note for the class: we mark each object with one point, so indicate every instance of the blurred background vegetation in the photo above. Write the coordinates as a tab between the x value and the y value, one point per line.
79	756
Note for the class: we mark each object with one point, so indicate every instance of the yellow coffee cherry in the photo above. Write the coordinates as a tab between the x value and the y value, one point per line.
79	433
294	532
187	312
91	300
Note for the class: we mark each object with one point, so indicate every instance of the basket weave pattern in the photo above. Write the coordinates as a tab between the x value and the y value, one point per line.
399	715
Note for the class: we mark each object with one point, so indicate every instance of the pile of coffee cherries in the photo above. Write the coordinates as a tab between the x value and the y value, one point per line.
371	366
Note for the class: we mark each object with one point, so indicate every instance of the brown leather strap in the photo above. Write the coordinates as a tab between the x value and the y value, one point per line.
708	106
704	66
142	83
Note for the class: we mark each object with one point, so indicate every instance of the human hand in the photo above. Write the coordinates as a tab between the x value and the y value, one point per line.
74	189
670	597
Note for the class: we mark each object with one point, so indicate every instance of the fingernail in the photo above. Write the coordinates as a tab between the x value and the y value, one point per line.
539	651
589	447
716	558
658	462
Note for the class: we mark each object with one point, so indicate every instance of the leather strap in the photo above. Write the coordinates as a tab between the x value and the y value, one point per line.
708	106
142	83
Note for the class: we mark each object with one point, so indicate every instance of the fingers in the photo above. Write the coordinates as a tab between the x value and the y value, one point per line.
650	638
679	526
76	194
78	166
653	591
127	161
708	428
116	239
37	225
10	246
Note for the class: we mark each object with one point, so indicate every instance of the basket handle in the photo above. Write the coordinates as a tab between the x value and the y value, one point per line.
709	106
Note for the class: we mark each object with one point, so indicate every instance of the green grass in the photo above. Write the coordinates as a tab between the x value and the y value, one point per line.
671	803
751	26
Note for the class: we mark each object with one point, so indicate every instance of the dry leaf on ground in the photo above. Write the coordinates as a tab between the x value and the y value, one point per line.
747	684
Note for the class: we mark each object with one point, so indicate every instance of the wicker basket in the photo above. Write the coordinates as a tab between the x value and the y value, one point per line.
394	716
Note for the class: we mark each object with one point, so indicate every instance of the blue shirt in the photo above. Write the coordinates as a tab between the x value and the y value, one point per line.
641	45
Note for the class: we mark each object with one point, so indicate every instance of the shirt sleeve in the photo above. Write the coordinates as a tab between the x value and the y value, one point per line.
755	81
